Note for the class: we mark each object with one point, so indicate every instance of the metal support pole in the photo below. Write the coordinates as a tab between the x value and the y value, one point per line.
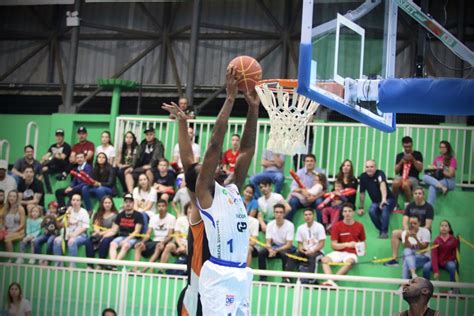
114	110
71	70
462	9
193	47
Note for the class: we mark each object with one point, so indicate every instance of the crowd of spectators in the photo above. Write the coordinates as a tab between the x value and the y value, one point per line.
152	187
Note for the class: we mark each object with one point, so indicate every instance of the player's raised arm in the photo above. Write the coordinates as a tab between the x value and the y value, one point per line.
205	180
247	144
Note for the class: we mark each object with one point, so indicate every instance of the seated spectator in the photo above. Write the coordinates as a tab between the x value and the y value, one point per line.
180	199
30	190
442	178
2	215
383	202
7	182
17	305
15	219
176	163
311	238
179	244
106	147
253	232
144	196
76	184
408	166
164	180
300	197
267	202
50	230
125	157
229	158
33	230
127	225
56	160
183	105
346	236
251	204
419	207
104	181
162	227
279	237
20	165
75	233
149	152
444	255
102	221
331	213
83	146
414	239
273	165
346	176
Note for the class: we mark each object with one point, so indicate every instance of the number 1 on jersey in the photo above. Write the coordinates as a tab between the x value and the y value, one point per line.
230	245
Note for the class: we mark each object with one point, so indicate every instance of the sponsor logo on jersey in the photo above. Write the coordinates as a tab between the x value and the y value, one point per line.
229	299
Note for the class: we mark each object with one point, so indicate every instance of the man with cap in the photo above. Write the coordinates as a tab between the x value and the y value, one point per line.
56	160
28	159
417	293
149	152
7	182
83	146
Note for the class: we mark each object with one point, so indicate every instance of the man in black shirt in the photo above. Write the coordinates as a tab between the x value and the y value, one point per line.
383	202
30	190
408	166
417	293
56	160
28	160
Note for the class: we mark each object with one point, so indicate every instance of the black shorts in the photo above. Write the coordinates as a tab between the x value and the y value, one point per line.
150	247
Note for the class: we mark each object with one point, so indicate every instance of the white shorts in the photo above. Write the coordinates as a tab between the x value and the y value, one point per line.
225	290
342	256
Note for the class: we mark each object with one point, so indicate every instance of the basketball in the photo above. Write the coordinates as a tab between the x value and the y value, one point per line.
249	70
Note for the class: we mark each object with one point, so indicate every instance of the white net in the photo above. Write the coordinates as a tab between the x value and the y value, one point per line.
289	114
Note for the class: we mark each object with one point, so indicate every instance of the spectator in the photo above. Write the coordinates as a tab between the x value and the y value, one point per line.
30	190
346	176
14	220
229	158
331	214
104	181
109	312
33	230
28	160
127	225
300	197
415	239
383	203
444	255
346	237
145	197
267	202
272	169
311	238
251	204
177	157
183	105
408	165
149	152
181	198
125	157
75	233
51	229
162	227
417	294
444	172
103	220
179	245
253	232
17	305
56	160
76	184
419	207
7	182
83	146
3	231
279	237
164	181
106	147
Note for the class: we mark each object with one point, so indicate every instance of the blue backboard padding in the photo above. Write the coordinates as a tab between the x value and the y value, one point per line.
304	88
445	96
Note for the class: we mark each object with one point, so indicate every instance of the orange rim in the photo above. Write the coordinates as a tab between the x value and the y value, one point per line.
287	84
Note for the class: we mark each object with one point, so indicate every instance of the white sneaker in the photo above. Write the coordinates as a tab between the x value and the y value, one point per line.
19	261
329	283
32	261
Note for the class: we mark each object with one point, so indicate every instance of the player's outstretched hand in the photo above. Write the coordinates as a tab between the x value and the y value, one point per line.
174	110
232	81
252	98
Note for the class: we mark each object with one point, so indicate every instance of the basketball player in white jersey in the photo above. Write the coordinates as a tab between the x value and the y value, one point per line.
225	280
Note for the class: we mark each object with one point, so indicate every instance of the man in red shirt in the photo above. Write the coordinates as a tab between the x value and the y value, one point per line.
230	156
84	146
348	241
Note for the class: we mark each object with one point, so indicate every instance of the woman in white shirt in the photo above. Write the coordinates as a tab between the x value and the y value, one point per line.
106	147
144	196
16	304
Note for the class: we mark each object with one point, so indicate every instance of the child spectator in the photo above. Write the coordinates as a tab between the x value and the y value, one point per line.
33	230
267	202
106	147
125	157
414	239
145	196
51	228
332	213
181	198
251	204
164	181
17	305
15	219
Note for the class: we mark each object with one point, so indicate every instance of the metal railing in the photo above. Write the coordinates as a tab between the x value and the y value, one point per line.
5	155
330	142
76	291
31	125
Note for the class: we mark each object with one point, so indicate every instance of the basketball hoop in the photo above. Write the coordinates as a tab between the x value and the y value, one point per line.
289	114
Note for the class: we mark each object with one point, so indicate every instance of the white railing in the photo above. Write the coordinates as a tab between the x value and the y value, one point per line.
76	291
330	142
31	125
5	144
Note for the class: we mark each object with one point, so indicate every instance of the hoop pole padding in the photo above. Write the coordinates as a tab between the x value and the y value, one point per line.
7	151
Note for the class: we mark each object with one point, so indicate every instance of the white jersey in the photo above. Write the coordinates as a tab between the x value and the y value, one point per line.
226	225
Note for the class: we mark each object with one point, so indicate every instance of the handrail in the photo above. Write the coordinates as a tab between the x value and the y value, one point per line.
7	151
28	132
